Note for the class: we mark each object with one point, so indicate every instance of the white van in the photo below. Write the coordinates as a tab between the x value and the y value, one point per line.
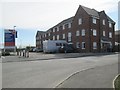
50	46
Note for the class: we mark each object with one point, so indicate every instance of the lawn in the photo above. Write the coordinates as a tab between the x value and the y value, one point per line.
117	83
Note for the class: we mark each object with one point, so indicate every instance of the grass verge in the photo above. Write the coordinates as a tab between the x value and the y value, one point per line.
117	83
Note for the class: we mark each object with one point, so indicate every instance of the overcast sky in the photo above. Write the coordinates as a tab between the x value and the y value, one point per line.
33	15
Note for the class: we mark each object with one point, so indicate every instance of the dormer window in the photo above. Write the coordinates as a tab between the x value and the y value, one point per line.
94	20
63	27
53	29
69	25
57	28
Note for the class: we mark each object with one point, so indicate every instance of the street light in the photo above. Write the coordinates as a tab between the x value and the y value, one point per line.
14	37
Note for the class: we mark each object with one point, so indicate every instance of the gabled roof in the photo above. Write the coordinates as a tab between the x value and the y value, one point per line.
109	19
91	12
95	13
39	32
65	21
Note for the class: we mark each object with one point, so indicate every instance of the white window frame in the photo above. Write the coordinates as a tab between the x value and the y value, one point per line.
63	36
103	33
94	45
53	37
103	21
49	34
69	25
78	33
94	20
110	24
79	21
69	36
58	37
83	45
53	29
77	44
94	32
110	34
45	34
63	26
57	28
83	32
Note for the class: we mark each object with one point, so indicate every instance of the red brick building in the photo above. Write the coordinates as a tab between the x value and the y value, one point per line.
88	31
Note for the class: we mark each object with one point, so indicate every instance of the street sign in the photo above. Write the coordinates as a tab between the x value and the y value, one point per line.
9	38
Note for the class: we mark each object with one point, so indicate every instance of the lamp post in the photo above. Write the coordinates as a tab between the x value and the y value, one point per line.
14	37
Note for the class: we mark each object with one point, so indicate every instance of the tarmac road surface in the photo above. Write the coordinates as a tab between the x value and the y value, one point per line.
50	73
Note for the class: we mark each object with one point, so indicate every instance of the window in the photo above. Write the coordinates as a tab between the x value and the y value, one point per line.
79	21
53	37
49	34
69	25
94	32
103	33
78	45
110	24
94	20
83	32
63	36
63	27
45	35
57	37
101	45
77	33
53	29
83	45
103	21
39	37
57	28
110	35
94	45
69	36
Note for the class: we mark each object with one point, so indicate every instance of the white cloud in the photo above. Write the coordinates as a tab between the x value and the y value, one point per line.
119	16
46	13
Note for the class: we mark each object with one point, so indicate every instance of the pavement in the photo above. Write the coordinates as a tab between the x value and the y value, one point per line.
42	56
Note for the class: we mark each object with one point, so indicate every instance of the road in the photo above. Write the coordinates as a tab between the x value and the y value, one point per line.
49	73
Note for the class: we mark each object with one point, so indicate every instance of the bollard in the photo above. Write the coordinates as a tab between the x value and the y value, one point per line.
20	53
27	54
23	53
17	52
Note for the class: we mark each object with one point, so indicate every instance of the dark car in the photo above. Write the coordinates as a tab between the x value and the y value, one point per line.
39	50
66	49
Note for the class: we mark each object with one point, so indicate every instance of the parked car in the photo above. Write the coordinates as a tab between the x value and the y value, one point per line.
39	50
5	53
66	49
